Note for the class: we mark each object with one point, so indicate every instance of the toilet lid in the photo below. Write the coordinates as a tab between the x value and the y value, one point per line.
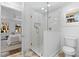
68	49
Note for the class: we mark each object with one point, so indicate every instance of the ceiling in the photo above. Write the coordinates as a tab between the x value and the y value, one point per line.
37	6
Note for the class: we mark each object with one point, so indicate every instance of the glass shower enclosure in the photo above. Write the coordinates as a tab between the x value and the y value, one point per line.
41	29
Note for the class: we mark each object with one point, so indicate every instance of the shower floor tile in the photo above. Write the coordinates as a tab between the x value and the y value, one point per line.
30	53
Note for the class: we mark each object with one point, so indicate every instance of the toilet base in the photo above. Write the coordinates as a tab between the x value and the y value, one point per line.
66	55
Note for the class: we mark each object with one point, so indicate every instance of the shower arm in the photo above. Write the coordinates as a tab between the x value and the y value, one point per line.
47	17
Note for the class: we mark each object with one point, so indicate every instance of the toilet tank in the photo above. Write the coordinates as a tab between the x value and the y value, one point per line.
70	41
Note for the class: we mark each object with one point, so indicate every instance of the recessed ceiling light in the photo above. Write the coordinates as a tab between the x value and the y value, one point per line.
42	8
46	10
48	5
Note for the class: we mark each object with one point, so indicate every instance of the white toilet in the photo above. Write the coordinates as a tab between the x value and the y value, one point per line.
69	48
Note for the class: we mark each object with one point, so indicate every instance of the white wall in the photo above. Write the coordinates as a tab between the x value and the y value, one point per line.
56	23
27	12
51	43
14	5
53	38
64	10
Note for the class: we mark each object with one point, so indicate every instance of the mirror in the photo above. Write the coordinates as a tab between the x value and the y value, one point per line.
5	28
72	17
18	28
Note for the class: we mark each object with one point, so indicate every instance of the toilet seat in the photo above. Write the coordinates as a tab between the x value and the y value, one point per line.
69	50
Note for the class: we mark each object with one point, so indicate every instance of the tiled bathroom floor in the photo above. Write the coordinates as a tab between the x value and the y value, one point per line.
61	54
30	53
16	55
